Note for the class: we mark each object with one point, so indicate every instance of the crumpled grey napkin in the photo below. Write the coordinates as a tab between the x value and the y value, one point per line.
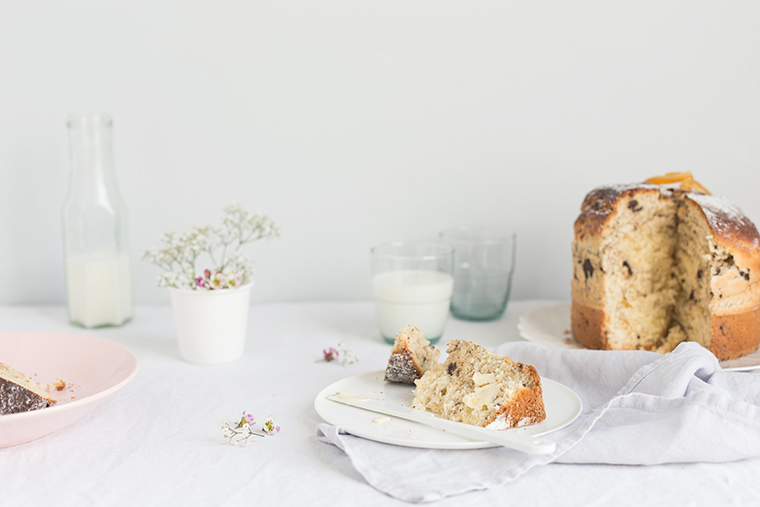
639	408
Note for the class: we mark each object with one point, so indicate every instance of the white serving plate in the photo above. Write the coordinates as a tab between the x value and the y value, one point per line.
562	408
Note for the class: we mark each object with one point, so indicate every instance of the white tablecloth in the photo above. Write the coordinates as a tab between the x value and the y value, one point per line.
158	442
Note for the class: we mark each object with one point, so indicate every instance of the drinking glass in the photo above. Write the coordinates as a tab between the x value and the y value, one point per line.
483	268
412	285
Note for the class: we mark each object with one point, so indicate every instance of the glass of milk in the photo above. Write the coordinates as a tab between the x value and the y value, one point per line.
485	262
412	284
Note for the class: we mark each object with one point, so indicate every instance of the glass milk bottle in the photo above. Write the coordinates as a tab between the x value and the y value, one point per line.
95	228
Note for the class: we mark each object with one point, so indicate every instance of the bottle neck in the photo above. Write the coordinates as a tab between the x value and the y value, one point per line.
93	176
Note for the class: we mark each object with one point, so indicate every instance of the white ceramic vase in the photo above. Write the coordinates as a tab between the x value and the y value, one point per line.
211	324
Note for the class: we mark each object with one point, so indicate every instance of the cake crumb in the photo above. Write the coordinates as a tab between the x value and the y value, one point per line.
570	342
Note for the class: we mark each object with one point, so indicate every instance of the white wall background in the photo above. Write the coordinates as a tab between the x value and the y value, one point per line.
354	123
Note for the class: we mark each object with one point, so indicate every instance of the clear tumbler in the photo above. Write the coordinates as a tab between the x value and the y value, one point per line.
483	268
412	284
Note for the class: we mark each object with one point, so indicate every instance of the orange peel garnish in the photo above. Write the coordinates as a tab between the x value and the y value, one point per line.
686	180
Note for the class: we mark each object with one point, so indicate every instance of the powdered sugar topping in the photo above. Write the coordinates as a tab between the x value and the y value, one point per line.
726	218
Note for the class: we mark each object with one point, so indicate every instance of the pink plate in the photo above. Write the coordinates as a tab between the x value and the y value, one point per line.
92	368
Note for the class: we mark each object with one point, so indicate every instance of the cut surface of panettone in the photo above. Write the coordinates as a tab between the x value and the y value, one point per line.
411	356
655	266
475	386
19	393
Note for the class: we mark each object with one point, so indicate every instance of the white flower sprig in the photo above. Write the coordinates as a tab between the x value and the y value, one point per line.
240	431
181	251
341	354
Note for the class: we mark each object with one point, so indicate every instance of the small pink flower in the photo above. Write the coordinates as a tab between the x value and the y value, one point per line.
200	282
245	420
248	418
270	426
207	273
219	281
330	354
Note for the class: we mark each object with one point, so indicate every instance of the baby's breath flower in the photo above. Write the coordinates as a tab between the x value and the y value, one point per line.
341	354
240	431
181	251
347	355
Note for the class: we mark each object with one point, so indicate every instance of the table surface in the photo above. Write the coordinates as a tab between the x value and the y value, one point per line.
158	441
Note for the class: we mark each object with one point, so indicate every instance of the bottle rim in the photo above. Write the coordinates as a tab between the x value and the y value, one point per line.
93	120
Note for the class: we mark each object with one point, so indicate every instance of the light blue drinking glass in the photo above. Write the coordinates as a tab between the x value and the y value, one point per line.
484	262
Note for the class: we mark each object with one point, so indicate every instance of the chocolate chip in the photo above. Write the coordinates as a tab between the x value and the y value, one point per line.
746	276
699	273
633	205
588	269
630	271
451	368
691	296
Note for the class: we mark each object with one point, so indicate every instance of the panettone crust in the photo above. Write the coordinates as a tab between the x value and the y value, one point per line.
402	367
735	335
599	205
412	355
528	405
588	325
731	227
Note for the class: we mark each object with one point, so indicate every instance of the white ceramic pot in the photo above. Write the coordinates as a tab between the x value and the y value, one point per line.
211	324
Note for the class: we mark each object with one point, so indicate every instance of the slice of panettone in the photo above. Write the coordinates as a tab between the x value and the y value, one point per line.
19	393
411	356
475	386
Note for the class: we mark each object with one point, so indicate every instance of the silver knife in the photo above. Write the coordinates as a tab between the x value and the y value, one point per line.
514	440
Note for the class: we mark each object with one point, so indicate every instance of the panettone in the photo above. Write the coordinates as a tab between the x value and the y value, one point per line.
656	265
475	386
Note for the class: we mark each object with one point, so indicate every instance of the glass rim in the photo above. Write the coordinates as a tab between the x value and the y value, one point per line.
491	235
440	250
89	119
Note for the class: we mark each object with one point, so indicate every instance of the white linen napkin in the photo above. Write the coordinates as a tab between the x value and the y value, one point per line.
639	408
